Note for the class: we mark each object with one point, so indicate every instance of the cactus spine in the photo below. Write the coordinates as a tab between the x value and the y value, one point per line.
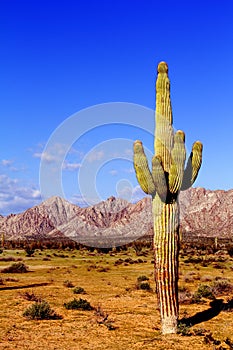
168	176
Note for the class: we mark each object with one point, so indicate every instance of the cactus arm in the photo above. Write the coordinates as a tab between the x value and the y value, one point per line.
163	132
193	166
178	156
142	170
159	178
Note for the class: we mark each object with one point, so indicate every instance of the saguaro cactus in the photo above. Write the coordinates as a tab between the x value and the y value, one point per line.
167	177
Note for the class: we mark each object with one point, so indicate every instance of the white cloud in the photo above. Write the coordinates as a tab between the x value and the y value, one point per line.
55	154
49	158
95	155
71	166
113	172
16	197
7	162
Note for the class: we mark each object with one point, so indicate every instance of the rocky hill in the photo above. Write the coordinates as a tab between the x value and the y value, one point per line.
207	213
203	212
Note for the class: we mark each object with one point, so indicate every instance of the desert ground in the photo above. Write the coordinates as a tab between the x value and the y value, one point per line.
120	288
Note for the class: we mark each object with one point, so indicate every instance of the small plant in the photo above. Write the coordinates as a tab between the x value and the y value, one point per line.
40	310
221	286
142	283
79	290
9	258
142	278
102	318
205	291
30	296
185	296
206	278
81	304
16	268
196	299
29	251
68	284
144	286
183	329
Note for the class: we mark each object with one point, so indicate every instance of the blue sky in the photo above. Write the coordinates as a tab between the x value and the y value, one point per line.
58	58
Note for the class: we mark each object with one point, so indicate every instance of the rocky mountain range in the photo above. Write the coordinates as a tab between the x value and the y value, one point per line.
116	221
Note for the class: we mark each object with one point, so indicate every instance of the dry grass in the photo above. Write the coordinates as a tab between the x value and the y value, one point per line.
123	317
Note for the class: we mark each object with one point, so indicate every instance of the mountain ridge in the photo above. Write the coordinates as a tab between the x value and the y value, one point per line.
203	212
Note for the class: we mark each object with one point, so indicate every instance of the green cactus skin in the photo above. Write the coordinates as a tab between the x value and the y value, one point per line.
163	183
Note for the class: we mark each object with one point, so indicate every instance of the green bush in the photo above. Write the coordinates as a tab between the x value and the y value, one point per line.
81	304
79	290
183	329
40	310
144	286
205	291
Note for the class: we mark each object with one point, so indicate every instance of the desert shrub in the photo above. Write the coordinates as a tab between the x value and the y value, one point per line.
218	266
118	262
193	260
40	310
30	296
29	251
62	255
196	299
68	284
1	281
205	291
209	339
102	318
144	286
188	279
142	278
16	268
206	278
183	329
184	295
81	304
79	290
221	286
103	269
10	258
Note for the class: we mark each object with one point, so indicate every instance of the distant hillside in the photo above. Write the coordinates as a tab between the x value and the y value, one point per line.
203	212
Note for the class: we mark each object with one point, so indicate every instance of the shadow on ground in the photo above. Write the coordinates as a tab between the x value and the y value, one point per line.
216	306
25	286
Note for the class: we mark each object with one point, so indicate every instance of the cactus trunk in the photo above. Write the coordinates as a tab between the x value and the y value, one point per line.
166	246
163	183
